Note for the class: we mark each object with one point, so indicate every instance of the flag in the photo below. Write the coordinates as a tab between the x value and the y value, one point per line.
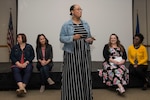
10	37
137	25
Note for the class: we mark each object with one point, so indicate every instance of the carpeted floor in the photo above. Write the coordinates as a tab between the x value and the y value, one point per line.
98	94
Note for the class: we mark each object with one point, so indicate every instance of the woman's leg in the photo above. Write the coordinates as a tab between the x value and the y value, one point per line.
120	88
132	70
48	74
42	76
27	74
121	77
142	73
17	72
18	76
21	86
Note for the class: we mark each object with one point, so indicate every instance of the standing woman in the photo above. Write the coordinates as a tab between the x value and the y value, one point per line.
76	74
114	70
138	58
45	63
22	55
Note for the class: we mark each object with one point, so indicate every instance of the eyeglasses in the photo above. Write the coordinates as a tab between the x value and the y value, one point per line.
79	9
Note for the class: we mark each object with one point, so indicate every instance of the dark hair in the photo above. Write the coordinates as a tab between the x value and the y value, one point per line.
71	8
118	42
140	36
38	44
24	39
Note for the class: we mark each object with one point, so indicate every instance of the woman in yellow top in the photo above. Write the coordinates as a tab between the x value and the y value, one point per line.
138	58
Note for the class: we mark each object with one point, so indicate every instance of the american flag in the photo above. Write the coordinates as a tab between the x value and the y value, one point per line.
10	37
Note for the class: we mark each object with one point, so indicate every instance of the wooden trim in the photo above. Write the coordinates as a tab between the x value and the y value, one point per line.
3	46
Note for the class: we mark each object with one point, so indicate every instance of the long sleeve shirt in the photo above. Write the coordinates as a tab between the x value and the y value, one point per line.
48	54
67	32
139	54
16	53
106	53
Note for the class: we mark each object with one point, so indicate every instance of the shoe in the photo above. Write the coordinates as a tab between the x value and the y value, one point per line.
42	88
50	81
20	92
120	90
144	87
17	91
148	80
25	91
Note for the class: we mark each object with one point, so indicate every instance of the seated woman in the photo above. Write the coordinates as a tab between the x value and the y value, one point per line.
138	58
114	71
45	63
22	55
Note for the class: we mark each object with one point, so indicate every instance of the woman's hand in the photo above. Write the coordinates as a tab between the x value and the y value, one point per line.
77	36
43	62
18	64
135	65
90	40
112	60
24	65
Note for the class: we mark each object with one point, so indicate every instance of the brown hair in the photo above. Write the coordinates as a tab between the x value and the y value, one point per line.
24	39
118	42
38	44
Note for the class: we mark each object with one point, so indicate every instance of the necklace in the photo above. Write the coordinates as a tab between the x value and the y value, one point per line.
136	46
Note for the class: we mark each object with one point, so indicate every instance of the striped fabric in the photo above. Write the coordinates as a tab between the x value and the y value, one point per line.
76	77
79	29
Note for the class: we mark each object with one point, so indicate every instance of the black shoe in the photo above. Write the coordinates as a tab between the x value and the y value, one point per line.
144	87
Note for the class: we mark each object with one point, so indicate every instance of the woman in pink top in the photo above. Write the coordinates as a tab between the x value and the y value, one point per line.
44	57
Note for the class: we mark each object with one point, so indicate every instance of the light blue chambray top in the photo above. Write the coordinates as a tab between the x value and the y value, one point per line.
66	35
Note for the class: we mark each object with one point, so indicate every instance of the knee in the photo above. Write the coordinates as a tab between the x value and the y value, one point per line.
29	67
46	68
138	70
41	69
15	69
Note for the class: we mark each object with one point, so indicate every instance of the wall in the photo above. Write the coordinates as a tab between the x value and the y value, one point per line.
104	17
5	6
143	7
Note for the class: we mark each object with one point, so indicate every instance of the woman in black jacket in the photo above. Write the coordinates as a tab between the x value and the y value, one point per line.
114	70
21	56
44	57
